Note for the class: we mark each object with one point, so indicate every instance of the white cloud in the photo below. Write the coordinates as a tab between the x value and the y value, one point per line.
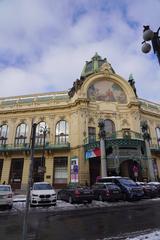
44	44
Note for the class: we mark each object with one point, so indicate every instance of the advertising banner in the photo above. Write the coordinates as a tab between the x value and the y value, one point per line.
74	170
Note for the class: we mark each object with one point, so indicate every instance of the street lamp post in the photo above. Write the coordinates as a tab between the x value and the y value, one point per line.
25	220
149	35
44	131
147	137
102	135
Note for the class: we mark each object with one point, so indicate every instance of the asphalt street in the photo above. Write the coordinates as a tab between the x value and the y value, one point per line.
82	222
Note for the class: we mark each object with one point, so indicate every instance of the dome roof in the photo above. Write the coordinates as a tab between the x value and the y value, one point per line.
95	65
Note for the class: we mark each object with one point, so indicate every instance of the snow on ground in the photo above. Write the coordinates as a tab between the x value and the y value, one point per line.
151	236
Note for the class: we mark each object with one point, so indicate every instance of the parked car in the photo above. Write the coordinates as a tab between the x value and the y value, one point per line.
157	185
150	191
42	193
130	189
76	194
106	191
6	196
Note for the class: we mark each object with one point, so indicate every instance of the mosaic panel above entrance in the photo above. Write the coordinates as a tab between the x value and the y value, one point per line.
108	91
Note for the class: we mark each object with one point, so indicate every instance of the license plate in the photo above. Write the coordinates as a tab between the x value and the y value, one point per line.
86	192
115	191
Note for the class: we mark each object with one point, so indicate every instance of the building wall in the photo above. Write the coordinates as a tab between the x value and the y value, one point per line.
80	113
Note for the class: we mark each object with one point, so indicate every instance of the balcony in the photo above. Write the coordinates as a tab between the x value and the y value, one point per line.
124	137
26	147
155	148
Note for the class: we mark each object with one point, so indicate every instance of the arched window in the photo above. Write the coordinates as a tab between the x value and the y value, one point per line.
21	134
40	136
158	135
62	132
3	134
109	127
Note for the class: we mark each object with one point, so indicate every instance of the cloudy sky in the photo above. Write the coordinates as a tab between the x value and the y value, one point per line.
44	43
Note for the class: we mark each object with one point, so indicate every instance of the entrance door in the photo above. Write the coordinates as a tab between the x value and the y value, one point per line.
15	177
1	166
127	169
38	174
60	173
94	169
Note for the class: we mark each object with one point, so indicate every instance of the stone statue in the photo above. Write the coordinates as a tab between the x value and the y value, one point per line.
145	128
132	83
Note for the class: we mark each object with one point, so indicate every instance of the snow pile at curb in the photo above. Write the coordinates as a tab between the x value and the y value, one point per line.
151	236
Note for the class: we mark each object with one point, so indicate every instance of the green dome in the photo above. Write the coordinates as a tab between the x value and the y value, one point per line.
94	65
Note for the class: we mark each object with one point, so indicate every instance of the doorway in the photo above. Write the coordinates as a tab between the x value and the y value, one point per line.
131	169
16	170
94	169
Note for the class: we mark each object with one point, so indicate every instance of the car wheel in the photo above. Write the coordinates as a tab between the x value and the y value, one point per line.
100	198
70	199
58	196
10	206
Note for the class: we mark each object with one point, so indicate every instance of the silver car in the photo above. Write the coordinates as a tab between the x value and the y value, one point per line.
42	193
6	196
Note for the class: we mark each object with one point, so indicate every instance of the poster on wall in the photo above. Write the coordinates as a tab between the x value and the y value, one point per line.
74	170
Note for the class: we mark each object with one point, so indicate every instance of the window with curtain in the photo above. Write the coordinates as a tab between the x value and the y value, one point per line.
158	135
62	132
3	134
109	127
40	137
21	134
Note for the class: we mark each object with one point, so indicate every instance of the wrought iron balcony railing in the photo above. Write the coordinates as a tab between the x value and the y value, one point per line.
26	147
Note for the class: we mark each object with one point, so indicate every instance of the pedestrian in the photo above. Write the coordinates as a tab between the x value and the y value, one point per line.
4	182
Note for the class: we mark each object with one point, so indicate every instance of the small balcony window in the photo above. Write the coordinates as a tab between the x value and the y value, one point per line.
61	132
21	134
3	134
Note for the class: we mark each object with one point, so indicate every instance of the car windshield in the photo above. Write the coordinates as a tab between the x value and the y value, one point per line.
42	187
4	188
127	182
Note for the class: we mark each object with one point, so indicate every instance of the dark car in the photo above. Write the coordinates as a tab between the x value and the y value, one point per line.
157	186
130	189
76	194
106	191
150	191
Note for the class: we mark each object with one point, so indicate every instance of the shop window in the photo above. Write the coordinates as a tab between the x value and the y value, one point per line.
38	174
62	132
158	135
21	134
91	134
60	170
109	127
3	134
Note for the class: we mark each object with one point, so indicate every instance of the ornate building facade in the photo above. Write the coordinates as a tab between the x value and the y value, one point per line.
67	144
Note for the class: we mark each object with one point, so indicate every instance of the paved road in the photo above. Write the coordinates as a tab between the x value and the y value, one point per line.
83	224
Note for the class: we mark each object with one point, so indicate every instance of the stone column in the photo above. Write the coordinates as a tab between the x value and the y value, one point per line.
147	137
102	135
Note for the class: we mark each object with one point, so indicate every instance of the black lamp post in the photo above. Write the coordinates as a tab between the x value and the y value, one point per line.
149	35
44	131
102	136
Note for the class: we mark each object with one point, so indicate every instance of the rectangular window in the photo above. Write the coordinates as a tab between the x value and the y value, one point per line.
91	134
60	170
1	167
158	135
